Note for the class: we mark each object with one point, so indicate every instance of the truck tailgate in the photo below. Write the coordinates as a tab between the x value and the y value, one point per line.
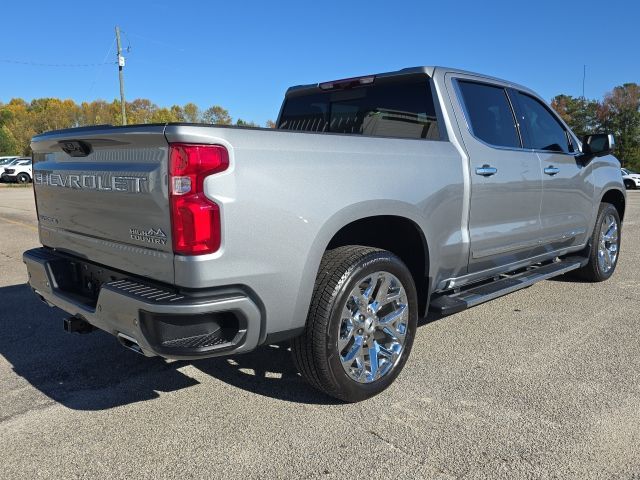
102	193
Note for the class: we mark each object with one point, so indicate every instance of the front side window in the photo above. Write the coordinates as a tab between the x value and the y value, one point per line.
543	129
490	115
397	107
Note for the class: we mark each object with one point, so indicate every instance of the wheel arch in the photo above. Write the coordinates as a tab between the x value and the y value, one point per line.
326	235
616	198
397	234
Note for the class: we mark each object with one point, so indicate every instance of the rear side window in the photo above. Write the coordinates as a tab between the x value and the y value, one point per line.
544	132
490	115
401	107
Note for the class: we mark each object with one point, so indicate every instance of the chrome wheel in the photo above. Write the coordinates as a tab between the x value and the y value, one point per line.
608	244
373	327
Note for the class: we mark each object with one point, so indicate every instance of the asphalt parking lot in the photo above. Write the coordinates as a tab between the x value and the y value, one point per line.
543	383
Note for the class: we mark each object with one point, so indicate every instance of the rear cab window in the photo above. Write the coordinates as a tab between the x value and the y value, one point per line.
399	106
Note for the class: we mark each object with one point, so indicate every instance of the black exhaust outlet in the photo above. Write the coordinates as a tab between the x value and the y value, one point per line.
76	325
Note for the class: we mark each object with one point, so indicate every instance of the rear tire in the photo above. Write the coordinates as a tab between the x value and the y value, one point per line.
361	323
605	246
23	178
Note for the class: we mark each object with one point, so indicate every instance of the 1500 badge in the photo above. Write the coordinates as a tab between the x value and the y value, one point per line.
150	235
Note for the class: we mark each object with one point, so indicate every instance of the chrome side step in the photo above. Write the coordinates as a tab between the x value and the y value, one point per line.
458	300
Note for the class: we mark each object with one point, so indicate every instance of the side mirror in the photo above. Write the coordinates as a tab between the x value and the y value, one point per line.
597	145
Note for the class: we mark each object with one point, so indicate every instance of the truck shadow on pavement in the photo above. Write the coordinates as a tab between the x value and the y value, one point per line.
94	372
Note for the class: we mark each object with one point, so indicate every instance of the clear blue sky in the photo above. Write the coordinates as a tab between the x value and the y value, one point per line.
243	54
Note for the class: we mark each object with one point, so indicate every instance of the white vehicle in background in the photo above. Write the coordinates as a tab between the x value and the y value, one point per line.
631	179
20	170
6	160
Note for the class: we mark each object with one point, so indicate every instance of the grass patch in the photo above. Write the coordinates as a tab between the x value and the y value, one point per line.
16	185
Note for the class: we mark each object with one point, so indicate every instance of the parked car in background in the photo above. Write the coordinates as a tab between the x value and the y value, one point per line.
20	170
631	179
6	160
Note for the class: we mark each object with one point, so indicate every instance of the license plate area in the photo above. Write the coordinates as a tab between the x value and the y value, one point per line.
81	281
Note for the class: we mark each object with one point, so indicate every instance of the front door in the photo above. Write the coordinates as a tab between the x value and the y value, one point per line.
567	199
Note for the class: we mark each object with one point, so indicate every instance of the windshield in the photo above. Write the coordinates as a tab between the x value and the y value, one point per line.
390	107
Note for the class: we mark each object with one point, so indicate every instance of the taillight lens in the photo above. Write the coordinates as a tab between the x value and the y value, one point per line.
195	220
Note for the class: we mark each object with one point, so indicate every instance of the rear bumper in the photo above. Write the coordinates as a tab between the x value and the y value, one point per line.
159	319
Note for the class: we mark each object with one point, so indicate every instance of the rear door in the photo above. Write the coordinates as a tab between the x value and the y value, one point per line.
567	199
506	180
102	193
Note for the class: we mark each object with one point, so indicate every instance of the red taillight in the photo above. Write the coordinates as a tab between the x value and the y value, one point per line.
195	220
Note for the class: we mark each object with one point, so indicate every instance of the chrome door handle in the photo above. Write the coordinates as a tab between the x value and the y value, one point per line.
552	170
486	170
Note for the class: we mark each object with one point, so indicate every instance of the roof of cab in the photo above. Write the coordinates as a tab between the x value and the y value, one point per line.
428	70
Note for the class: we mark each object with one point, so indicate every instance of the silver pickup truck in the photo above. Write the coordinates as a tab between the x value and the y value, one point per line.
375	199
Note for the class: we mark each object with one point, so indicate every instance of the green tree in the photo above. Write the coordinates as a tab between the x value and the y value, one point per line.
8	144
21	122
242	123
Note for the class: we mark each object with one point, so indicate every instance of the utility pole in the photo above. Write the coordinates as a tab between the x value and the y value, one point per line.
121	76
584	76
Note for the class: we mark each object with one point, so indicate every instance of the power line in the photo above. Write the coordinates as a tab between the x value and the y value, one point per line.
64	65
99	70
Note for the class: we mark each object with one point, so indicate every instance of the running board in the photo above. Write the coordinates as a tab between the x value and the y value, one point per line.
459	300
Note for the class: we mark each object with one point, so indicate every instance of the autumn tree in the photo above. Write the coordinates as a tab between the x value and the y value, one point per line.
620	114
617	113
191	113
581	114
216	115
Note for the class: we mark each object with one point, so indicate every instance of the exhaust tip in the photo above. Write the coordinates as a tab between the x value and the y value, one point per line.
130	343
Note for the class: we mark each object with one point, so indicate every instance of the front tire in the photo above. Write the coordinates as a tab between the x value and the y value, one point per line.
361	323
23	178
605	246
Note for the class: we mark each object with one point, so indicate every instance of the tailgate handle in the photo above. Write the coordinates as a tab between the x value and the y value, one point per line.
75	148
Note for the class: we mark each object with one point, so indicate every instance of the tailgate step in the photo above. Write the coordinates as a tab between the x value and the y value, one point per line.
459	300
